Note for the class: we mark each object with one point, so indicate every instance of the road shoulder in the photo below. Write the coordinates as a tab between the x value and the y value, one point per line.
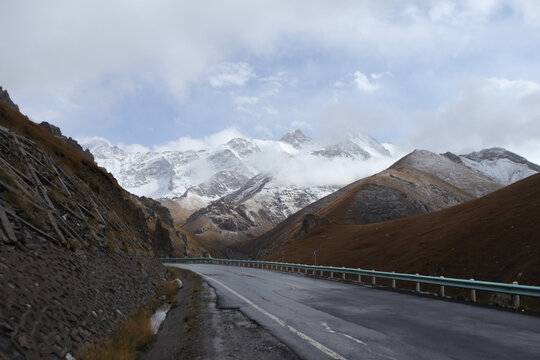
197	328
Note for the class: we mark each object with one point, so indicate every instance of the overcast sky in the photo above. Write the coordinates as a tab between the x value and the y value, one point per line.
439	75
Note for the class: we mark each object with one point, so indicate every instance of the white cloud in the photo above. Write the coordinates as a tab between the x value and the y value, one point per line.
246	100
381	75
309	170
133	147
230	74
487	112
263	130
188	143
270	110
441	10
61	57
363	83
296	124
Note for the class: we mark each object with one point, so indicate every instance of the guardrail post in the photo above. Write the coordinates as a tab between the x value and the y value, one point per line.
359	277
343	276
417	285
331	274
373	281
393	282
515	297
442	287
473	293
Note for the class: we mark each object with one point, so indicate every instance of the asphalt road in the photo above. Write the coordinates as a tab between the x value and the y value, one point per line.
322	319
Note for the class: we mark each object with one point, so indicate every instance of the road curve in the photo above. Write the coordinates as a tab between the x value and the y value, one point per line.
322	319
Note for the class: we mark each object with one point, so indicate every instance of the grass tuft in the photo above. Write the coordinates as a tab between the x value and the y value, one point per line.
131	338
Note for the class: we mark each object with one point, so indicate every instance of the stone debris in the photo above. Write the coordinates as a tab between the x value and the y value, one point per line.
71	266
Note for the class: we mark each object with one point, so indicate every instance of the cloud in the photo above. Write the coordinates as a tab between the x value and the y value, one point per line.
270	110
363	83
487	112
296	124
188	143
301	169
230	74
85	65
441	10
381	75
246	100
134	148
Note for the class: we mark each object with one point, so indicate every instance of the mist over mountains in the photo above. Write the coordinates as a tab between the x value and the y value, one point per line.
211	171
232	188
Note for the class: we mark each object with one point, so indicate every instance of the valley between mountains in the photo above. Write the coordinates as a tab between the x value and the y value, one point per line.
84	223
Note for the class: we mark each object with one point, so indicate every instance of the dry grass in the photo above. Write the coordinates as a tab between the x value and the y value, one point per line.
131	338
134	335
96	179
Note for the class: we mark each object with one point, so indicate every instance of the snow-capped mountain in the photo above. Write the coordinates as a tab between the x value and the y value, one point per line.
298	166
501	165
255	208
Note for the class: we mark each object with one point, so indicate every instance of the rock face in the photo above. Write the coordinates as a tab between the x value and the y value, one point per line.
55	131
4	98
255	208
309	223
296	138
77	253
500	165
162	241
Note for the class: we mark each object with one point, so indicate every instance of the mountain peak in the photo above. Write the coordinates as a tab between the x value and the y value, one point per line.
4	97
296	138
501	165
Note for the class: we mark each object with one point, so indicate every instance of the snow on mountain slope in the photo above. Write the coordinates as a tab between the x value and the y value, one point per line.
194	179
499	164
471	181
255	208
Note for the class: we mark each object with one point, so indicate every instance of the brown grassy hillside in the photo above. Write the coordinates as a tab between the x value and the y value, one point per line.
495	238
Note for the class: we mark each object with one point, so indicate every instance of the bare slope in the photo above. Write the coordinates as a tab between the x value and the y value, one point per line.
411	186
496	238
469	180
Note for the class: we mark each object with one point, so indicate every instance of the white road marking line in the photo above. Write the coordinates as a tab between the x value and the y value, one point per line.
300	334
327	328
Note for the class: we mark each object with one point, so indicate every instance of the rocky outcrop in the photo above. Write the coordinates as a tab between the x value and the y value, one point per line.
157	210
296	138
309	223
4	98
162	241
55	131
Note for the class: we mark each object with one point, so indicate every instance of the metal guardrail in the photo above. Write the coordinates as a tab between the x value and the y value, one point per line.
514	289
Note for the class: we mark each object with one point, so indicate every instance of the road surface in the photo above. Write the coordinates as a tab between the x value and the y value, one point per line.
321	319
